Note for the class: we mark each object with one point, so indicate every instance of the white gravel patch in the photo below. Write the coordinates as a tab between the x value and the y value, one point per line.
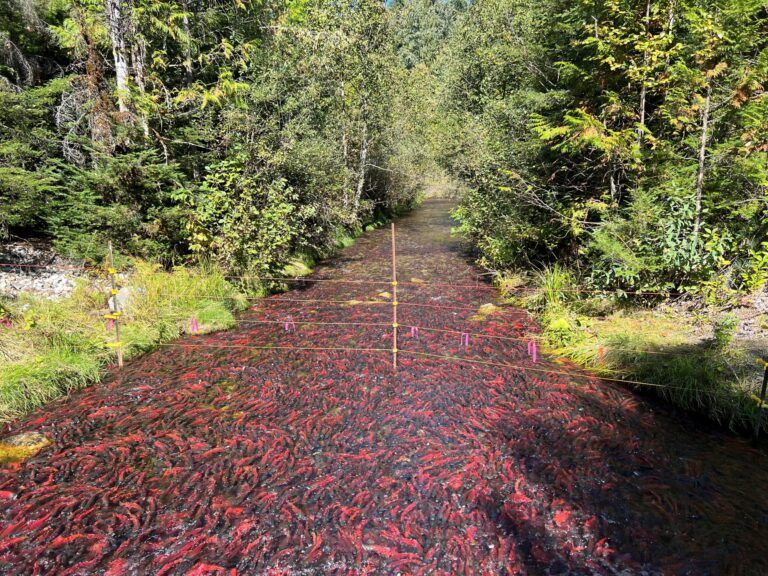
31	267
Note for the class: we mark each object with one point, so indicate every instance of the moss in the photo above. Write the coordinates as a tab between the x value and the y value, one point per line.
22	447
483	312
299	266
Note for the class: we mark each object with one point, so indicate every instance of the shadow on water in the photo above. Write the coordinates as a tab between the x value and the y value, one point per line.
230	453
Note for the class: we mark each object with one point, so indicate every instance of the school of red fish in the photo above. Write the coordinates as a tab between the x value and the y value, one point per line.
236	453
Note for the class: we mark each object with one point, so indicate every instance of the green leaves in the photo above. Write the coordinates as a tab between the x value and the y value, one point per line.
247	220
602	172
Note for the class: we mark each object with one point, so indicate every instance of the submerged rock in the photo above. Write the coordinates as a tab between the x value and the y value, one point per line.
484	311
22	446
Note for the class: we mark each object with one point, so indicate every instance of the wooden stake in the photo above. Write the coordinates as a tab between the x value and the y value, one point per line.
394	301
113	292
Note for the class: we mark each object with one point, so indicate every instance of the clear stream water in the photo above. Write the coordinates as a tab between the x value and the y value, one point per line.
234	453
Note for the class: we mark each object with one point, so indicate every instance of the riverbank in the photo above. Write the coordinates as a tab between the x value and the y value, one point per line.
52	346
700	357
55	338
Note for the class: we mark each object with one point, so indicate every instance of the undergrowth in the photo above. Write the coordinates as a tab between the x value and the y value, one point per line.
54	347
696	369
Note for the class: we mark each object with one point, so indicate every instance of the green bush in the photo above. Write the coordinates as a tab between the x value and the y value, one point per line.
28	140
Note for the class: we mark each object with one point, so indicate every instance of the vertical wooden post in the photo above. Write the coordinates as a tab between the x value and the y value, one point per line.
763	390
116	313
394	301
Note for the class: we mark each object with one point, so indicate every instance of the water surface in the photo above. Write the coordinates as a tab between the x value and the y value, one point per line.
233	453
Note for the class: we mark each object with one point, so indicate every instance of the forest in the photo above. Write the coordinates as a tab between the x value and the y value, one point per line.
615	147
625	139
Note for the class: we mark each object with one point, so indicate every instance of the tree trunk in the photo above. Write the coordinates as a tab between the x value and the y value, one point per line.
670	29
188	75
361	170
116	20
644	90
138	58
100	123
702	161
641	124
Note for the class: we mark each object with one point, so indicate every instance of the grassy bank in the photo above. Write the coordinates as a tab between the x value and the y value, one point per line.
54	347
691	360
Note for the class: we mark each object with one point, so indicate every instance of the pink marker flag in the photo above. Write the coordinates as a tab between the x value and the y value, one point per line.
535	351
110	324
194	326
290	324
414	332
464	339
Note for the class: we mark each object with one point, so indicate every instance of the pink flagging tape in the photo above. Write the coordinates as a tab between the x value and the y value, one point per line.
465	339
533	350
414	332
111	324
290	325
194	326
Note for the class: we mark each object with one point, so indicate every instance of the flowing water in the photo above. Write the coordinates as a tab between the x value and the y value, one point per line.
235	453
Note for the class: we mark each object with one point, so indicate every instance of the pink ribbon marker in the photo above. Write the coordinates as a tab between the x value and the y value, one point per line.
110	324
464	339
414	332
290	324
194	327
533	350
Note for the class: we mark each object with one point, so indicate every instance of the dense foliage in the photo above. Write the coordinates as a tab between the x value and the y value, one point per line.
625	137
247	131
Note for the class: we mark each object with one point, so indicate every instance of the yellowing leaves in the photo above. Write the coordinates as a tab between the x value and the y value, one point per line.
717	70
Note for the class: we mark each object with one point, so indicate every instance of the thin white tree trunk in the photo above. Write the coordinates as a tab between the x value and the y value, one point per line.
644	90
188	74
138	58
671	28
117	32
702	160
361	170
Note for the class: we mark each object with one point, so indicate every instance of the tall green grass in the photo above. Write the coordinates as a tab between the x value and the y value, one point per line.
618	339
55	347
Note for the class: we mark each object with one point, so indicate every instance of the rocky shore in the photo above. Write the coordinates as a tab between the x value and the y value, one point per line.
31	266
